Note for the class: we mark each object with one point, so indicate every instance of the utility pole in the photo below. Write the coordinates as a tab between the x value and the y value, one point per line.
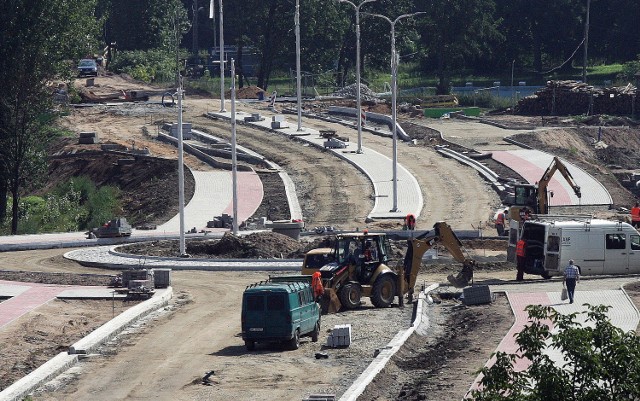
586	44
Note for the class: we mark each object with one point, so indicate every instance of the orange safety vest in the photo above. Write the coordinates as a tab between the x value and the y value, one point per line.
316	283
635	213
520	248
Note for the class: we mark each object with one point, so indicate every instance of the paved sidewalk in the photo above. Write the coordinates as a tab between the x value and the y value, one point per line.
214	196
531	165
376	166
623	315
26	297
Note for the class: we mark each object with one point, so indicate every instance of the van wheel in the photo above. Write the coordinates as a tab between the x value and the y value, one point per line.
251	345
350	295
294	343
546	276
316	332
384	291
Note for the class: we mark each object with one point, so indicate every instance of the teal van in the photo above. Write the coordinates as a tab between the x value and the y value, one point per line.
279	312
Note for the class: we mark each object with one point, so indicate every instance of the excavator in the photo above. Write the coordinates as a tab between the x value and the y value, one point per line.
534	198
358	267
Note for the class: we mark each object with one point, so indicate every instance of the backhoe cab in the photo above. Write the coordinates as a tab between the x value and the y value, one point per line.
359	268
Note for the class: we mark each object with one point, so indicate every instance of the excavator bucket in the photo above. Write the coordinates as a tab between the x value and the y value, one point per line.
329	303
463	278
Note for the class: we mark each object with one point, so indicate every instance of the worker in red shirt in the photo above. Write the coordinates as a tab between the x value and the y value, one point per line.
520	254
635	215
500	224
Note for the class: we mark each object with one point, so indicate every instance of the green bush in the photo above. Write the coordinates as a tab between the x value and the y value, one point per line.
484	100
629	70
153	65
76	205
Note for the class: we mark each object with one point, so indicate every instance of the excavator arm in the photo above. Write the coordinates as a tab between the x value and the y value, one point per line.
443	235
556	165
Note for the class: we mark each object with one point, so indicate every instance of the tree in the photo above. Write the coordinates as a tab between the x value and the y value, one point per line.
454	33
601	361
38	37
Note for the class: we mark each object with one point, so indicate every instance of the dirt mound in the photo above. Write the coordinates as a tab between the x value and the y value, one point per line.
248	92
259	245
263	245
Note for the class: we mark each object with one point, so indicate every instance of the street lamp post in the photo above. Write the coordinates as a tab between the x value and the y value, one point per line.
298	77
358	98
222	109
513	97
394	90
234	160
181	170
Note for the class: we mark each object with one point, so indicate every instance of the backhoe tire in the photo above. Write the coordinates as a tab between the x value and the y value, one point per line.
384	291
350	295
294	343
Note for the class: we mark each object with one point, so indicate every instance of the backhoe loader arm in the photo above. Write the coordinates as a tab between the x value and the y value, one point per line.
556	165
444	235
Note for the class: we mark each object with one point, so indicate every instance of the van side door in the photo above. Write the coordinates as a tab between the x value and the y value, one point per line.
616	257
634	253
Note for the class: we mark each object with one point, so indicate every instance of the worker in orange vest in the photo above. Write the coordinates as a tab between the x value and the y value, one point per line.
520	254
635	215
316	283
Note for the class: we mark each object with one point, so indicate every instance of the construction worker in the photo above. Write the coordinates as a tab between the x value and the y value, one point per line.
520	254
500	224
635	215
316	284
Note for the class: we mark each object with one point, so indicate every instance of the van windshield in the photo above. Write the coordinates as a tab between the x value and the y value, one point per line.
255	302
275	302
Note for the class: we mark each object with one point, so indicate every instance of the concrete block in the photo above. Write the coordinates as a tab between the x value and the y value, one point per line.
340	336
277	118
480	294
186	131
279	125
161	278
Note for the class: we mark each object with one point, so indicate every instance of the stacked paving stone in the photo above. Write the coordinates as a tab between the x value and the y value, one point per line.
574	98
340	336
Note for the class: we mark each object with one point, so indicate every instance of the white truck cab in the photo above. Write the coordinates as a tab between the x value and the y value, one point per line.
596	246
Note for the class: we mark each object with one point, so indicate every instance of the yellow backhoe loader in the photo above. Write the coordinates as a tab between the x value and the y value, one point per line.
359	268
534	198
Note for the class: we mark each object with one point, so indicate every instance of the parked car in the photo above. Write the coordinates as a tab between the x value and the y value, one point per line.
87	67
279	312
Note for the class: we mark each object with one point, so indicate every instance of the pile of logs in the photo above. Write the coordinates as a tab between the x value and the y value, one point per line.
574	98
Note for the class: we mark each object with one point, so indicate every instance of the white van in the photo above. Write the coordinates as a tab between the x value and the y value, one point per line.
596	246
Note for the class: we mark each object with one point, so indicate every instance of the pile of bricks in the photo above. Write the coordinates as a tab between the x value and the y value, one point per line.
340	336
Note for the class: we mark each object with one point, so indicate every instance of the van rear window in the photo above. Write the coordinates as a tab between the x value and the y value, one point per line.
275	302
255	302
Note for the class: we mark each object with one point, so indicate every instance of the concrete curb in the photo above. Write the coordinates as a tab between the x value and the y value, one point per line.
120	322
112	251
50	369
486	172
376	366
379	118
63	361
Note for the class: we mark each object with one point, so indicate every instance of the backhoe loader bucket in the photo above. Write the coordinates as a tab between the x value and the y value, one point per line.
464	277
329	303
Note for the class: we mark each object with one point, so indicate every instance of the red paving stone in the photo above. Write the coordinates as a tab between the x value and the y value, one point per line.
532	173
518	302
38	294
250	193
27	301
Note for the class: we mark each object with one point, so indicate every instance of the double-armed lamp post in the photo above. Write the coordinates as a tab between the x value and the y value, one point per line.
358	96
394	90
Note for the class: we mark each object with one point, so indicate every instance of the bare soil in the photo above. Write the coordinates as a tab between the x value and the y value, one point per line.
171	351
38	336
